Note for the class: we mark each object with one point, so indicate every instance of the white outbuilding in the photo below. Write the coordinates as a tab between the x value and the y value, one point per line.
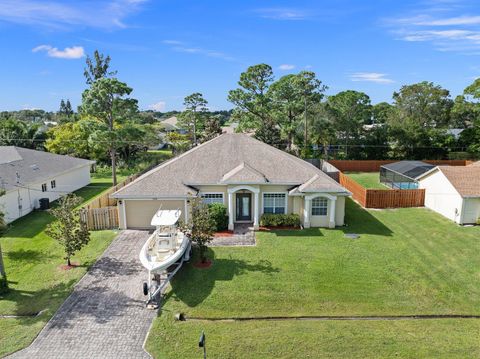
28	176
454	192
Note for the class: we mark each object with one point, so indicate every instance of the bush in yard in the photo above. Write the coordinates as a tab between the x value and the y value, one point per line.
200	228
68	229
280	220
218	212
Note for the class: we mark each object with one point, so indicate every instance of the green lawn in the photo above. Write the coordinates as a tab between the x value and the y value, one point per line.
406	261
36	283
367	179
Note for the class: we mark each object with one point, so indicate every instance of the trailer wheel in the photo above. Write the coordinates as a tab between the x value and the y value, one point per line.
145	288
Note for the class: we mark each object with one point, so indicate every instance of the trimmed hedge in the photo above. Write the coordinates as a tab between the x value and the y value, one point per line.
219	214
280	220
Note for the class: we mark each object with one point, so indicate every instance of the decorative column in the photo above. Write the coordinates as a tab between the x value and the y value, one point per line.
306	212
230	211
331	223
255	211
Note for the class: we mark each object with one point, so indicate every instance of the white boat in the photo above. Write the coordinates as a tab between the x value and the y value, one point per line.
164	252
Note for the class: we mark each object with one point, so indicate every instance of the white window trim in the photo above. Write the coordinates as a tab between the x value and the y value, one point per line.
286	200
327	207
201	194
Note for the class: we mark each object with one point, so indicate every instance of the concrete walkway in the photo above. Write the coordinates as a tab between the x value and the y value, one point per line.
243	235
105	316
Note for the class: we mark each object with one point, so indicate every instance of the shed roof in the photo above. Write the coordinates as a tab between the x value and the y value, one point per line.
410	169
228	158
466	180
23	166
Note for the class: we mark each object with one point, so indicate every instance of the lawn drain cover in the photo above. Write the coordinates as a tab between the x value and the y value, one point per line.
352	235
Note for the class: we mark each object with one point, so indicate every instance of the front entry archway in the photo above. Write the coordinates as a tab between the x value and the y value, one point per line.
243	206
243	203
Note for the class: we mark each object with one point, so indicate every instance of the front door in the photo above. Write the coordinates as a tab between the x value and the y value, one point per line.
244	212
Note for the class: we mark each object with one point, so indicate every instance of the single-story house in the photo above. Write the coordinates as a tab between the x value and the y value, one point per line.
454	192
403	174
248	176
27	175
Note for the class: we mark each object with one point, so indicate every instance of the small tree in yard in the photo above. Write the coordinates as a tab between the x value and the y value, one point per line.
201	227
68	229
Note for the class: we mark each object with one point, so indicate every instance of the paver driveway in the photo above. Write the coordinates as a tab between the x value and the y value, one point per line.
105	316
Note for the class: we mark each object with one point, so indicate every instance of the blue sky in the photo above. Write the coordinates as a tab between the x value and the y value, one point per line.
166	50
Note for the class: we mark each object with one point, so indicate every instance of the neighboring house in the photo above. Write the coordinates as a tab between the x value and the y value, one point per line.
248	176
455	132
27	175
171	125
403	174
454	192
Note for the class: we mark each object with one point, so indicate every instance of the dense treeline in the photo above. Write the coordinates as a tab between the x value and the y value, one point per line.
294	114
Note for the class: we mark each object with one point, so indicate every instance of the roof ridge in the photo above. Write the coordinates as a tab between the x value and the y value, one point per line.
168	162
240	167
296	159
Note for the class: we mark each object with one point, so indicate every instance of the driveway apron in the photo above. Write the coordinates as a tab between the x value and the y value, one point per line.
105	316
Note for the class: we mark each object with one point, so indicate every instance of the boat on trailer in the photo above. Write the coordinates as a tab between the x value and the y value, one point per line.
164	253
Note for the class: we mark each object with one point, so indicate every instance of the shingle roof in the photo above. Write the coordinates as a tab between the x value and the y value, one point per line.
33	166
466	180
244	173
229	158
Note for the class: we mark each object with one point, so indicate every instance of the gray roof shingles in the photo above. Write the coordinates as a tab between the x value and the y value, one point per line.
33	166
235	157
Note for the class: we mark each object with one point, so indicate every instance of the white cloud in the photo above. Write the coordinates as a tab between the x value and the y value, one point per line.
448	28
451	21
108	14
282	13
286	67
371	77
181	46
159	106
74	52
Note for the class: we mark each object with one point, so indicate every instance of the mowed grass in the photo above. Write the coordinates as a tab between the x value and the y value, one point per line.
406	262
37	284
367	179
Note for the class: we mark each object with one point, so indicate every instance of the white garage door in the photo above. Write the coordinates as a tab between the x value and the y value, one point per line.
139	213
472	210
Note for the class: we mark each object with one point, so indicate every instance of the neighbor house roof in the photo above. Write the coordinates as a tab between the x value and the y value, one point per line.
228	159
466	180
21	166
410	169
170	123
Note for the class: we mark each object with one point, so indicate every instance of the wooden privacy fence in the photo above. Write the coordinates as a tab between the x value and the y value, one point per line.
104	199
374	165
383	198
100	218
101	212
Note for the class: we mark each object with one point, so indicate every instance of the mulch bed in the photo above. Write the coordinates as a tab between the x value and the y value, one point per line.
68	267
267	229
203	265
223	234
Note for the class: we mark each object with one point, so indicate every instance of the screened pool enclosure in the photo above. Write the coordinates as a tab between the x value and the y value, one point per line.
403	174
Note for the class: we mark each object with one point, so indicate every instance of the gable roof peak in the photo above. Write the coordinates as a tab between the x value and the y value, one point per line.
244	173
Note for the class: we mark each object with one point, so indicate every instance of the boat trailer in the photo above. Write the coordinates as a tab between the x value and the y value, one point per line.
157	282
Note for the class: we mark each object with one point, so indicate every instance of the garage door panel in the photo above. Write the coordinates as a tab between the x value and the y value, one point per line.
139	213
